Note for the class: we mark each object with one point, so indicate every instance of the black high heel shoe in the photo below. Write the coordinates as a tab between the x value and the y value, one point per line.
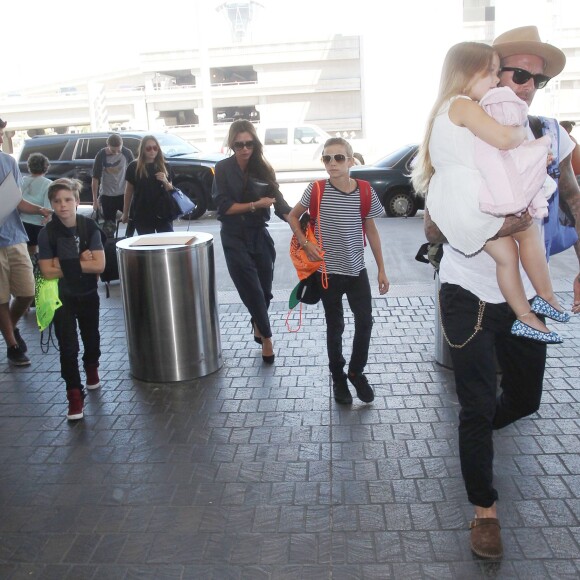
268	358
257	339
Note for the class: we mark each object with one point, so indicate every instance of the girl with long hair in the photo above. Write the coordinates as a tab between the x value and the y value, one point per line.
449	170
148	185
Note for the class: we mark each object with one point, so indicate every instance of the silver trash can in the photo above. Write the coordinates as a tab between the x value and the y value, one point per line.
442	350
170	304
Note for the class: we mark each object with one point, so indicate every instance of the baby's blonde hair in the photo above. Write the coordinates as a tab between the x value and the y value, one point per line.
462	63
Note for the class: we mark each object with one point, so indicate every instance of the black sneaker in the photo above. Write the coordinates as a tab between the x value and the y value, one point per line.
17	357
363	390
340	389
20	341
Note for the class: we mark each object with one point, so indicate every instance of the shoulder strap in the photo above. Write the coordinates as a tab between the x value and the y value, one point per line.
365	197
128	154
365	204
83	234
535	126
315	199
86	227
51	237
547	126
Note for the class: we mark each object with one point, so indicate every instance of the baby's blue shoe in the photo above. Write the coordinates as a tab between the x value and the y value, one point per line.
520	328
540	306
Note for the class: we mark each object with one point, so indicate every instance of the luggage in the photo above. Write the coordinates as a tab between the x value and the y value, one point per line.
111	272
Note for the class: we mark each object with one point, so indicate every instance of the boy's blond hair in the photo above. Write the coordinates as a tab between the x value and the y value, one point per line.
73	185
340	141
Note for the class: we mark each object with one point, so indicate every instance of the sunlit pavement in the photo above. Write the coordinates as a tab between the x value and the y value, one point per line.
255	472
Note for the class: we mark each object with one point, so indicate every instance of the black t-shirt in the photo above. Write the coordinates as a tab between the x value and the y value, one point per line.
147	191
66	245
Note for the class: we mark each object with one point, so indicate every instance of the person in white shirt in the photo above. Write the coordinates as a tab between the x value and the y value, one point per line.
477	320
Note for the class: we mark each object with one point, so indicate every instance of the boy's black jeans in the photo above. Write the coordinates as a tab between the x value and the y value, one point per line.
358	294
85	310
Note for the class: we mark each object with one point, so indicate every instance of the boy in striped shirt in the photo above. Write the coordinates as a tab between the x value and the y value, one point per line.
344	216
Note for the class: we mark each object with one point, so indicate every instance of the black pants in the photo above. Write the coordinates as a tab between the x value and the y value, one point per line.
522	364
111	204
85	311
250	257
152	225
358	294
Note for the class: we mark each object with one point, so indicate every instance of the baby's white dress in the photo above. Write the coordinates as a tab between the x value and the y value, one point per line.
453	196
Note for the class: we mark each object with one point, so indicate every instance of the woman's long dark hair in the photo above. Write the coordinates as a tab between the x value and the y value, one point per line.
158	162
258	166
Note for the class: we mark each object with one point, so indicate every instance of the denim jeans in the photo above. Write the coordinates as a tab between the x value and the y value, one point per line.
482	410
85	311
358	294
250	256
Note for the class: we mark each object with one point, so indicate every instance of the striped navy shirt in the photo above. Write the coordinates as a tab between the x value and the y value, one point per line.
341	223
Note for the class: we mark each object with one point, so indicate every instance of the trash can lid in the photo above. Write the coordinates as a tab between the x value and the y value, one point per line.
165	241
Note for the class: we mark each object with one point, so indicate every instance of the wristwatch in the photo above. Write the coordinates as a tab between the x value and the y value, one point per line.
252	207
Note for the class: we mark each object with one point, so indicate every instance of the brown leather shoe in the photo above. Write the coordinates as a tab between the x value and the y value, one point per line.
486	537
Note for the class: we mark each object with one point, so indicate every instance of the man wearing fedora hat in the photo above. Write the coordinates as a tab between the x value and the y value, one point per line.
470	295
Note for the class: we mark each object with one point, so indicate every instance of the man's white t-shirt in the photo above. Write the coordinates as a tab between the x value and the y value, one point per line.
477	274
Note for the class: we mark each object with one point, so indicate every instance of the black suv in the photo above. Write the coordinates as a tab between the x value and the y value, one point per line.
72	155
391	179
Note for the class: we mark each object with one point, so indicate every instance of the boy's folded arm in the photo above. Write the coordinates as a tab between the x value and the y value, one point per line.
94	265
50	268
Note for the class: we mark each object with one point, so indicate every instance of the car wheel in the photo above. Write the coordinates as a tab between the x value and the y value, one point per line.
399	204
195	193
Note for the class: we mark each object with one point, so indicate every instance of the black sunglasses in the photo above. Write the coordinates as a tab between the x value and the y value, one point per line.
339	158
521	77
239	145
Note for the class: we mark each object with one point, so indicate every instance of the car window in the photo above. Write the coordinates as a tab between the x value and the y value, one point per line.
306	136
95	145
276	137
411	162
174	146
393	158
88	148
52	150
132	144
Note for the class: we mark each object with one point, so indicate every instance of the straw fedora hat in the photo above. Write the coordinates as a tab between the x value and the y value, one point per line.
526	40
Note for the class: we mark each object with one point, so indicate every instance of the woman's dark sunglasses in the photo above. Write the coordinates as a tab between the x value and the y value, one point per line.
339	158
239	145
151	148
521	77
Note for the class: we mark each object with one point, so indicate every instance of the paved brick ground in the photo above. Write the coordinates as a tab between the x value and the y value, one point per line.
254	473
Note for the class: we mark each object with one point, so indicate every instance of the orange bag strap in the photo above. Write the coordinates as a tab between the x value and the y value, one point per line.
299	319
318	185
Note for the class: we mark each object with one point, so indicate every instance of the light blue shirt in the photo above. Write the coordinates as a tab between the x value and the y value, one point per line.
12	231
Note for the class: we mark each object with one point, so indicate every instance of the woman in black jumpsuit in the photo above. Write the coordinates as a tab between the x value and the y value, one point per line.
244	189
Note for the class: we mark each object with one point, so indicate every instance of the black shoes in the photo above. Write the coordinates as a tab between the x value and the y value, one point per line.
340	389
17	357
20	340
363	390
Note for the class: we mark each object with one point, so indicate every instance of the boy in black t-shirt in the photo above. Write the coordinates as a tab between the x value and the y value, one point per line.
71	249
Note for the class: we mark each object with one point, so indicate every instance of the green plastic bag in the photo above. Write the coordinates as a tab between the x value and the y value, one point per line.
46	301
